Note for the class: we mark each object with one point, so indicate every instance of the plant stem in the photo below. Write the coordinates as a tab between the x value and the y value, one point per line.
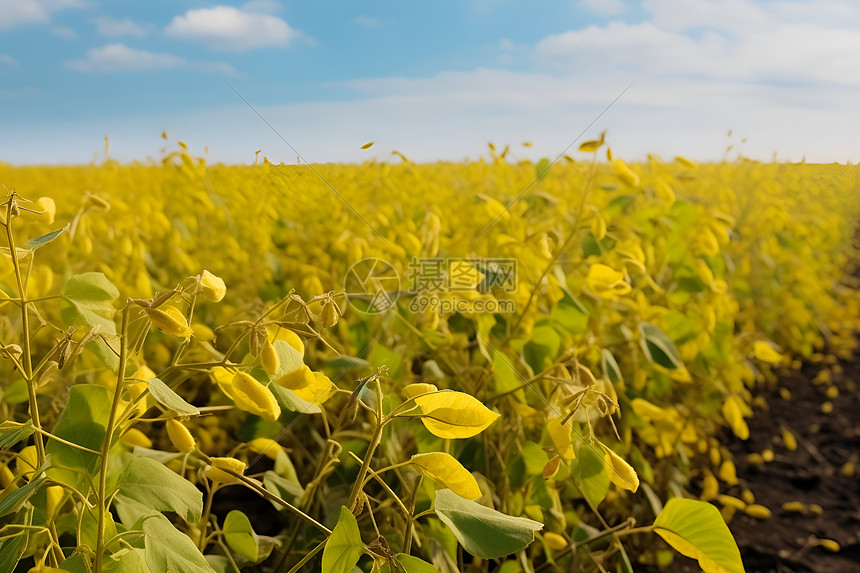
298	566
371	448
203	524
114	407
25	326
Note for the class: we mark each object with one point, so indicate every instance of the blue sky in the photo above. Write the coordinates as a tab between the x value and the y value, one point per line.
434	80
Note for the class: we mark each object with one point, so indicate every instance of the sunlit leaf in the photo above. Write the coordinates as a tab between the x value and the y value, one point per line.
696	529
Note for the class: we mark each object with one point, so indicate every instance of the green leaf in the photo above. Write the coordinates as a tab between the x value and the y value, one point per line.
589	473
14	499
289	359
81	422
91	296
484	532
12	436
165	396
289	400
410	564
542	168
696	529
344	547
34	244
282	487
150	483
88	299
126	561
17	392
610	367
74	564
169	550
11	550
658	347
240	535
505	375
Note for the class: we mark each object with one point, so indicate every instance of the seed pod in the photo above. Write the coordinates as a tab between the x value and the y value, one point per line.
53	497
829	545
134	437
211	288
789	440
555	541
97	201
793	506
758	511
179	436
730	501
329	314
257	339
269	358
169	320
215	471
251	396
266	447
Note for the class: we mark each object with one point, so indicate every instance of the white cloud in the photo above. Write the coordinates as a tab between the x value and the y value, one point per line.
7	60
729	39
120	58
611	7
21	12
64	32
230	29
112	28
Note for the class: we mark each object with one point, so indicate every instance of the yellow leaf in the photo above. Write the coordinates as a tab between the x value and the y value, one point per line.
620	472
447	473
664	191
625	173
266	447
449	414
765	352
297	379
561	437
789	440
590	146
686	162
732	414
134	437
367	145
728	473
318	391
606	282
710	487
412	390
279	333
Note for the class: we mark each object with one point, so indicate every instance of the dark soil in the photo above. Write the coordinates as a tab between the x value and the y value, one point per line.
812	474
